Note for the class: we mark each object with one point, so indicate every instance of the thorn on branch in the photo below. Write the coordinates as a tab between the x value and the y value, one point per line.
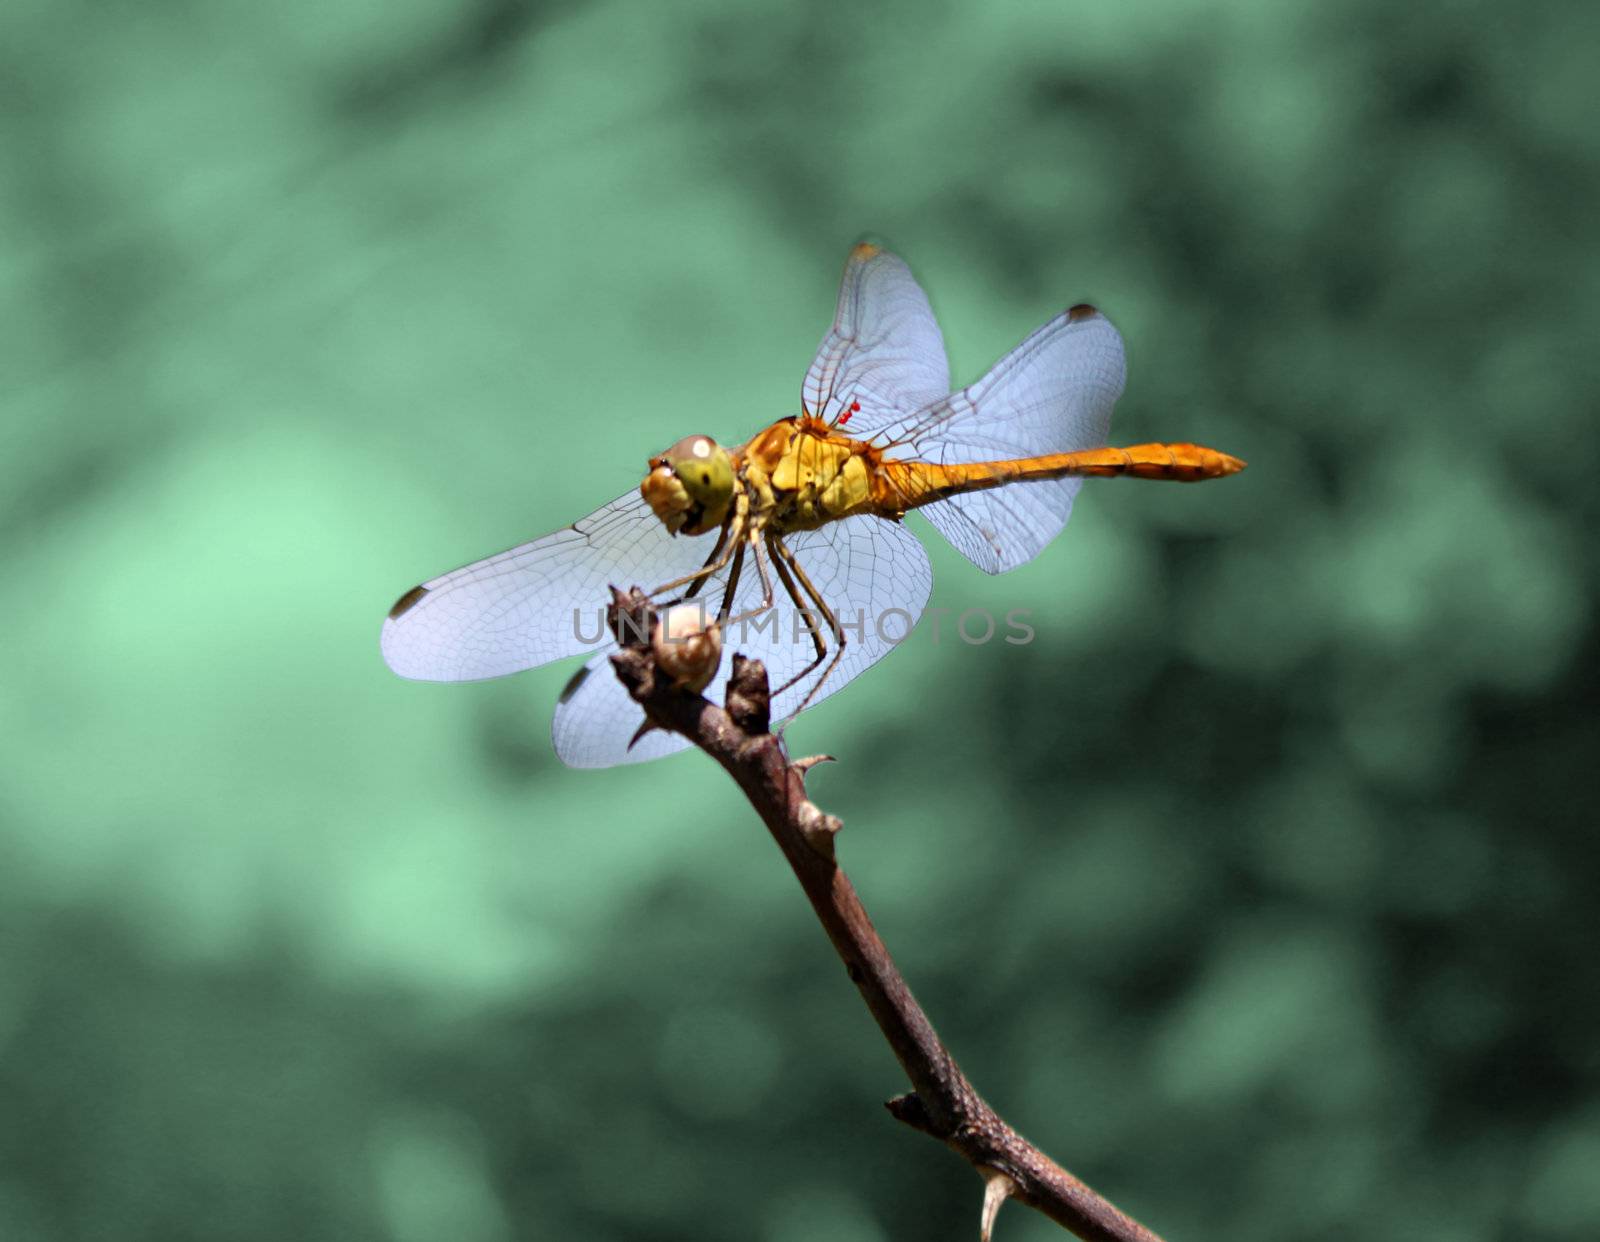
910	1109
640	733
818	828
997	1189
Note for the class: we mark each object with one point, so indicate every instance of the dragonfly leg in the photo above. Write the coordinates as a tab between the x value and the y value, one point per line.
729	591
785	562
766	589
702	576
730	542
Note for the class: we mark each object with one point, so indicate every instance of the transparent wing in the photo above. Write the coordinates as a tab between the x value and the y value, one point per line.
884	349
537	602
596	719
874	575
1051	394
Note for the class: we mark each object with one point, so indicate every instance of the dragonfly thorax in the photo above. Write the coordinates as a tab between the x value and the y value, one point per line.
805	473
690	486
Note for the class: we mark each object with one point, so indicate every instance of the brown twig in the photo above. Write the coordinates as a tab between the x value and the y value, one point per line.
942	1102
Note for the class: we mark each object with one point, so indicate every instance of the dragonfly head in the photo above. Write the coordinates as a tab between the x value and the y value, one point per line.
690	486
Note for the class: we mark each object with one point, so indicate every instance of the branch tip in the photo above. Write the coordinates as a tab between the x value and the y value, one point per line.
749	700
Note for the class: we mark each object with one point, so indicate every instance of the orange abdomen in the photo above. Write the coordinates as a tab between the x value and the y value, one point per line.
902	485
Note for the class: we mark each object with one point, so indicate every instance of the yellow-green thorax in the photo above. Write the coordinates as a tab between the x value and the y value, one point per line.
802	474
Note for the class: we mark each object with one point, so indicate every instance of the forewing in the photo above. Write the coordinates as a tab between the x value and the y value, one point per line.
884	350
874	575
537	602
1051	394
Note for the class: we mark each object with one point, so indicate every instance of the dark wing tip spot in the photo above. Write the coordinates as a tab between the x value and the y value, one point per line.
1080	312
407	602
571	688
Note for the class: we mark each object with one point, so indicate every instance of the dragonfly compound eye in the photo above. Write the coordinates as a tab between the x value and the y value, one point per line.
690	486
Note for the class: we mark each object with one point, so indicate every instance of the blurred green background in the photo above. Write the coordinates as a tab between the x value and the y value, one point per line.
1259	890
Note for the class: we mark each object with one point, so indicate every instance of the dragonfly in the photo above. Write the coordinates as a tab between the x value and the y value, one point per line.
808	512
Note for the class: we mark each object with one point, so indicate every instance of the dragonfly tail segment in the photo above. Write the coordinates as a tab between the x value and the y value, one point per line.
911	484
